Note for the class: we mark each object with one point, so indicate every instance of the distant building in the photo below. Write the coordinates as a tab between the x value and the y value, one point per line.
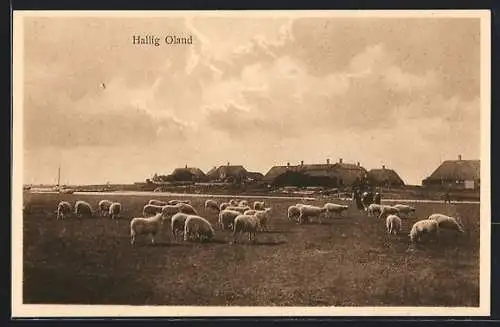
228	173
456	174
384	177
188	174
330	174
254	176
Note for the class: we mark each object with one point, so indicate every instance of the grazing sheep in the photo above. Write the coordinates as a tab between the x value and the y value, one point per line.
114	210
169	210
239	209
308	211
404	209
293	213
424	227
151	210
174	202
233	202
258	205
103	207
243	203
374	209
157	203
63	209
177	224
83	208
226	218
198	227
393	224
142	226
388	210
447	222
264	217
246	224
335	208
211	204
223	206
187	208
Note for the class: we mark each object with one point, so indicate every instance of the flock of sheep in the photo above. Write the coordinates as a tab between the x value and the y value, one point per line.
240	218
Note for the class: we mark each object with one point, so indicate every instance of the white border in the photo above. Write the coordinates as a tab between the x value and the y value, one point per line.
24	310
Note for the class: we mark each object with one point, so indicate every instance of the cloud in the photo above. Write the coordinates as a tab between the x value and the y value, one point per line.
287	89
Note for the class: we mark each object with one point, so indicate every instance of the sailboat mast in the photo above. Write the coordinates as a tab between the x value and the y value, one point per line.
59	176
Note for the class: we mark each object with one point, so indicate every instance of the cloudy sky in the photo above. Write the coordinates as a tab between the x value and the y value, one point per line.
252	91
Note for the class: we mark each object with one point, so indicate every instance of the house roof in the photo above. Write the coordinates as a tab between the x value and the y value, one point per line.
385	175
228	170
193	170
317	170
255	175
457	170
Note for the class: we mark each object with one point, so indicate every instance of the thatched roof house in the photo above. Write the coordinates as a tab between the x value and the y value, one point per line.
227	173
384	177
333	175
457	174
188	174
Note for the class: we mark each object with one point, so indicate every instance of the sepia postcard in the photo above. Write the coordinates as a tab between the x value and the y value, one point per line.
251	163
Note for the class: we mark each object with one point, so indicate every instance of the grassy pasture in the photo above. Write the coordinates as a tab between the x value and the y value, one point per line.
346	261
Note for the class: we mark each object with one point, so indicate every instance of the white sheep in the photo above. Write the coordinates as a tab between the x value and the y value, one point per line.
374	209
177	224
404	209
239	209
388	210
198	227
243	203
246	224
103	207
83	208
145	225
174	202
335	208
226	218
309	211
293	212
447	222
424	227
233	202
264	217
187	208
63	209
157	203
393	224
211	204
114	210
258	205
151	210
223	206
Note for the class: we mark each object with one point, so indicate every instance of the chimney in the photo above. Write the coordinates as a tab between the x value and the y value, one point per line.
340	160
459	157
357	164
383	166
327	161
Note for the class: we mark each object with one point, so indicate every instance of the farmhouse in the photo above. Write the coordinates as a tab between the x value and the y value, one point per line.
188	174
455	174
228	173
384	177
331	175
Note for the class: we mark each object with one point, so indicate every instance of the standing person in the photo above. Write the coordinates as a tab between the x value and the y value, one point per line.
377	198
357	200
447	198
